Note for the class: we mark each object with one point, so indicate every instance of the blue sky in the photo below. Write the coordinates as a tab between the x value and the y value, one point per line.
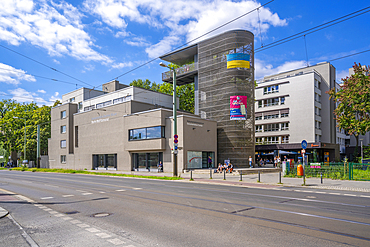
96	41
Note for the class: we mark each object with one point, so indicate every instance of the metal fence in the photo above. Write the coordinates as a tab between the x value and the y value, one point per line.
349	171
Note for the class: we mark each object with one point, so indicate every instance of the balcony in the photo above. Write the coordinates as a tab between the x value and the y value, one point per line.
184	75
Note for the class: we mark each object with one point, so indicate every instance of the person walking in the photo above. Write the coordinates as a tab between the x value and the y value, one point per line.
250	162
209	161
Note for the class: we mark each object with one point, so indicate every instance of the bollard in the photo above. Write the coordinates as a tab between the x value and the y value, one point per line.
241	176
321	176
210	173
279	177
224	174
191	175
259	177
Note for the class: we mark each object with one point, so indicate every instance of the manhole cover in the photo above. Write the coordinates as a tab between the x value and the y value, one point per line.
101	215
72	212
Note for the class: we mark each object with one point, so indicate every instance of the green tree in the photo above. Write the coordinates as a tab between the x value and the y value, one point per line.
353	111
147	84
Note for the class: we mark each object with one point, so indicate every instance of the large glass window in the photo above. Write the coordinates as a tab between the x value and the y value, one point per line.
285	139
63	129
259	103
271	127
285	126
63	159
63	114
271	89
258	128
147	133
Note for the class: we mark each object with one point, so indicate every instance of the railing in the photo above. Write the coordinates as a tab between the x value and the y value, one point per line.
180	71
348	171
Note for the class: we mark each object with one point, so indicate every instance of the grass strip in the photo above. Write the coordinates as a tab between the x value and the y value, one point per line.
92	173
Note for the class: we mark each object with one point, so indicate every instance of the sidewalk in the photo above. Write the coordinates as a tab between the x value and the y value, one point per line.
267	180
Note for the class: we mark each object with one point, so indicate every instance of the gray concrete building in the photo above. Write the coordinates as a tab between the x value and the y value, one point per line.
292	107
126	128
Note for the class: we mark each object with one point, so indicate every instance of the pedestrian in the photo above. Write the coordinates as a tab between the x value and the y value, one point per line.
275	161
209	161
261	162
160	166
250	162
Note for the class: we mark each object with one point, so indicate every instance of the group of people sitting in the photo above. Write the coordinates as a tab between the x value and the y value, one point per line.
225	167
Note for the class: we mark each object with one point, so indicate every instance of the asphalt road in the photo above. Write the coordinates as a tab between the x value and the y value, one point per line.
84	210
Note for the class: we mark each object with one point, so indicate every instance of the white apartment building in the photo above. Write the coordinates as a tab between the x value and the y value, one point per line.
293	106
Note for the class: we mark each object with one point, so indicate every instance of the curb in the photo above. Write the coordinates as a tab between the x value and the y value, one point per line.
3	212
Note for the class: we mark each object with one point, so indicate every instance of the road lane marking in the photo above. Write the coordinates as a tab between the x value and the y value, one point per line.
120	190
37	205
66	218
349	195
58	215
137	188
320	192
75	221
333	193
81	191
45	198
102	192
68	195
83	225
115	241
92	230
364	196
308	191
47	209
53	212
42	207
87	193
103	235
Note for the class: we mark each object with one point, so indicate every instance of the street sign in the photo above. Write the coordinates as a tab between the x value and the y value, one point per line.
304	144
303	151
175	152
175	139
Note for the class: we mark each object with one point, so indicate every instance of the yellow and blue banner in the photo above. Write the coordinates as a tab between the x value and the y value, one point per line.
238	60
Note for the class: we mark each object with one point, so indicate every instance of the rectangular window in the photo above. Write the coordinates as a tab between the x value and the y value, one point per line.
282	101
285	139
259	140
284	115
72	99
259	103
147	133
271	127
89	108
63	143
63	129
272	139
258	128
273	116
285	126
63	114
79	105
63	159
76	136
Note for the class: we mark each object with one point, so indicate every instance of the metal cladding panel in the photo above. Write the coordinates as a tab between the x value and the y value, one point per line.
235	138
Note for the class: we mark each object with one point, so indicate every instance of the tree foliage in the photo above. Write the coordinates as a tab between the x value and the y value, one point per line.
184	92
353	103
15	118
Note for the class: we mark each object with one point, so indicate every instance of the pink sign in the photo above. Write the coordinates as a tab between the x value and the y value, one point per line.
238	107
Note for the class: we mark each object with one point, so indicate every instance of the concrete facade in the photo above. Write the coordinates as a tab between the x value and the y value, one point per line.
103	137
293	106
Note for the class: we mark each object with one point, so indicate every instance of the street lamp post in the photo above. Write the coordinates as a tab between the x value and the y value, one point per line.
25	136
174	117
362	153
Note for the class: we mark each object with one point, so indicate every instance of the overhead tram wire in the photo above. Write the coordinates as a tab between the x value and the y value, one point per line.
312	30
34	60
15	71
354	54
237	18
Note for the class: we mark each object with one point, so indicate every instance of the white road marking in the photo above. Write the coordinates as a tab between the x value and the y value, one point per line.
349	195
87	193
53	212
92	230
102	192
75	222
297	190
308	191
81	191
120	190
58	215
66	218
364	196
45	198
47	209
83	225
68	195
320	192
334	193
37	205
137	188
103	235
42	207
115	241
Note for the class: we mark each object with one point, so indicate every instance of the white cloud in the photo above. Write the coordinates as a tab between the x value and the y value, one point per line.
122	65
56	28
262	69
11	75
20	94
341	74
137	41
41	91
182	19
122	34
56	61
